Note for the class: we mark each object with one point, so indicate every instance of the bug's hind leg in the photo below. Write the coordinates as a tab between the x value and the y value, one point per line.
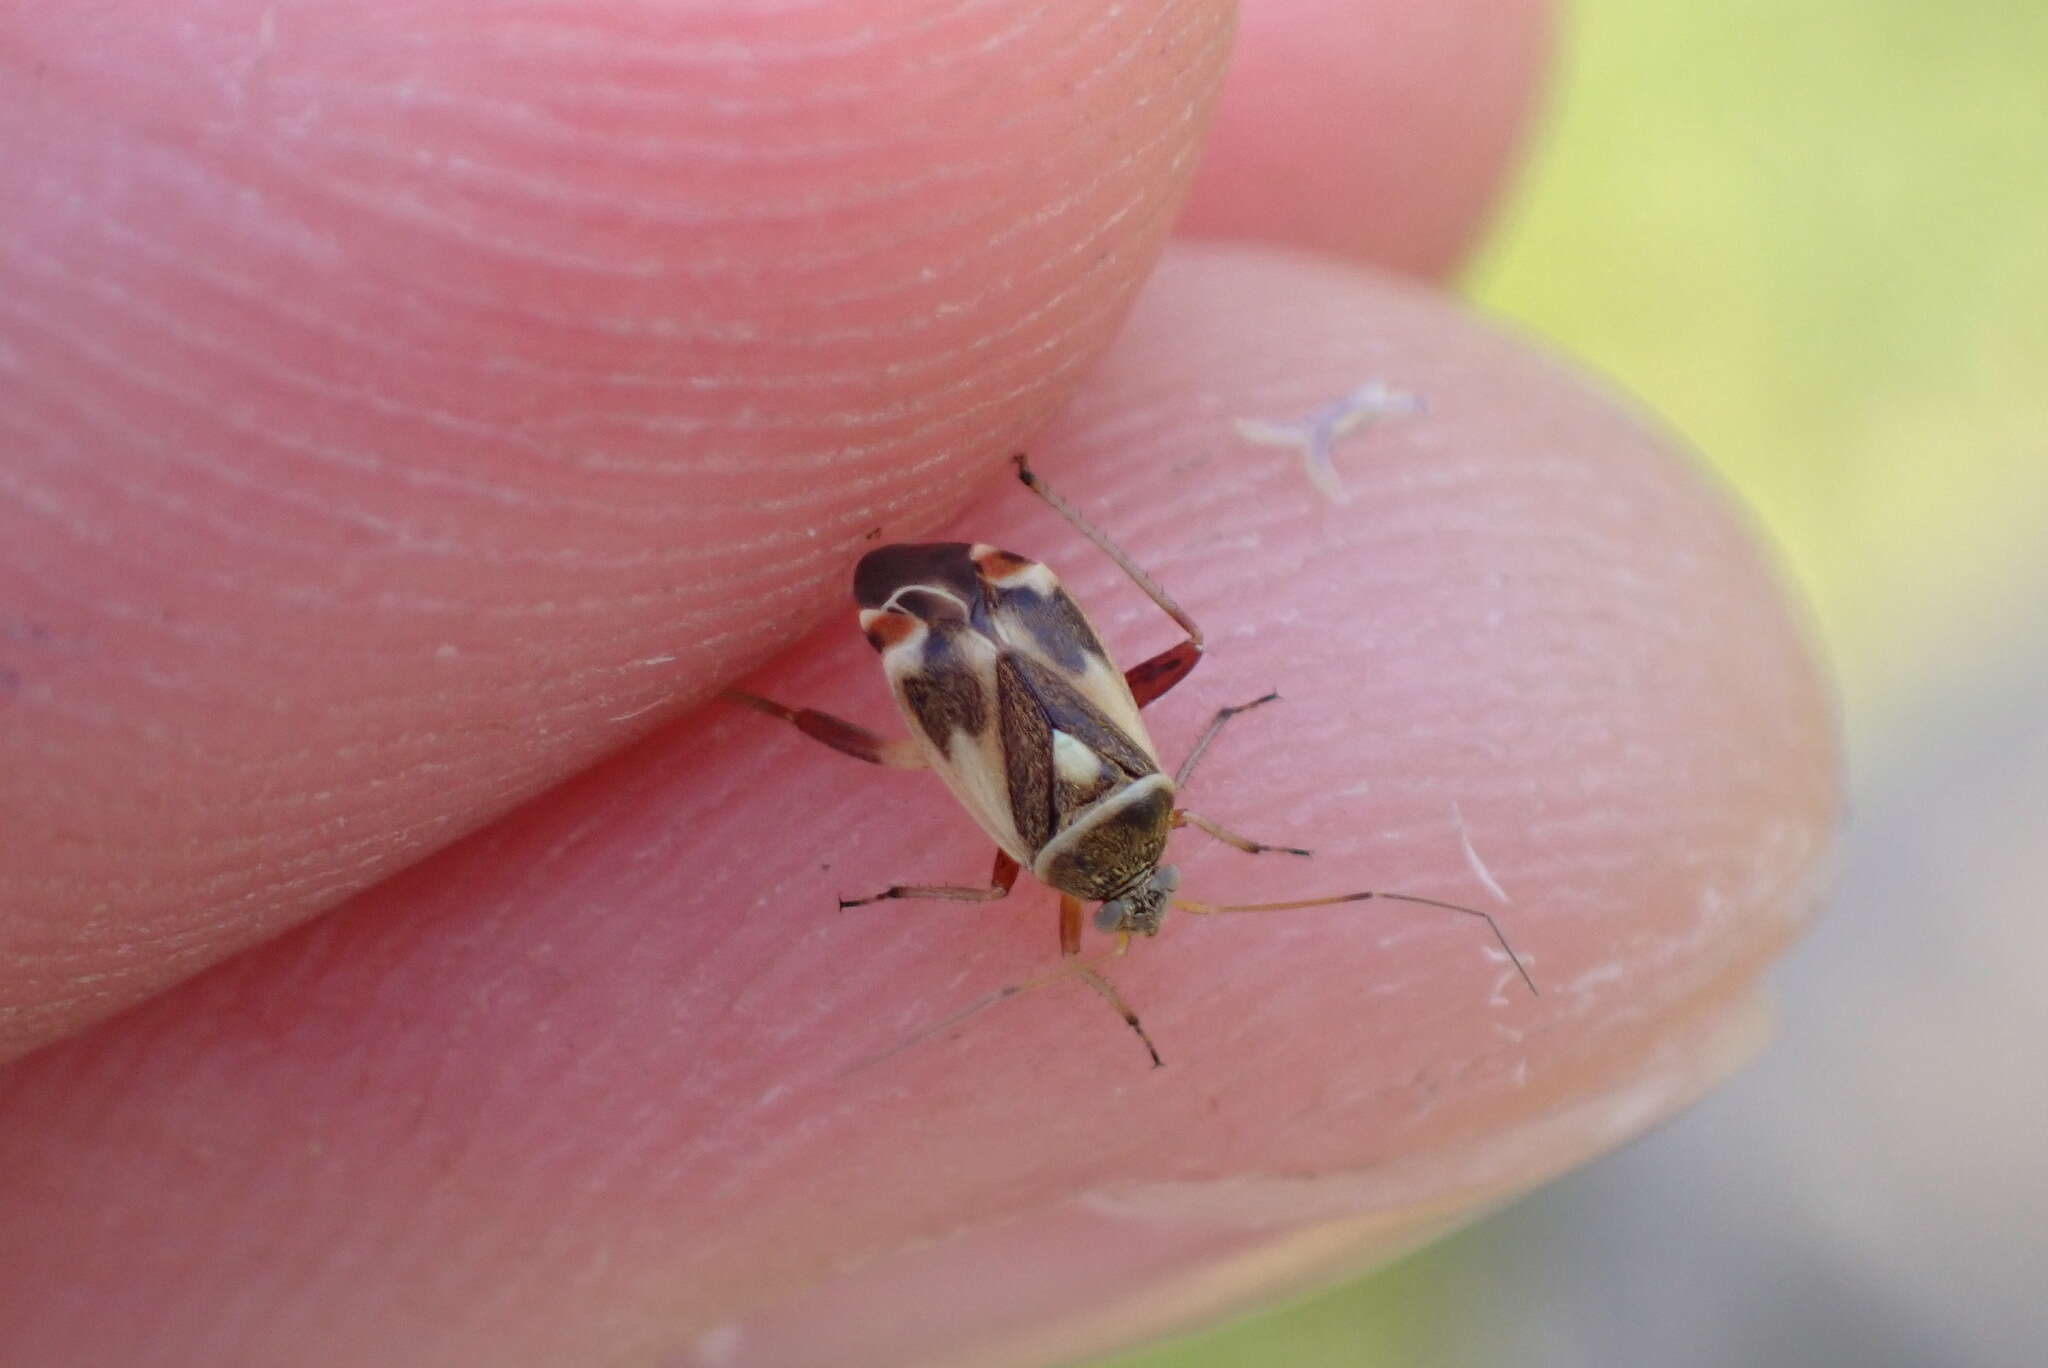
1148	679
839	734
1000	881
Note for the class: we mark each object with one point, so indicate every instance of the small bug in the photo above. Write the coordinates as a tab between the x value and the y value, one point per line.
1012	700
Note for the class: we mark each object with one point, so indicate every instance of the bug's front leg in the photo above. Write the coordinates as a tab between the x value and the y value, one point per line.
836	732
1000	881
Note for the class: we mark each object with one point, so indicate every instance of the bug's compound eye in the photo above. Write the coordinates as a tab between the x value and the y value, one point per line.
1166	879
1110	915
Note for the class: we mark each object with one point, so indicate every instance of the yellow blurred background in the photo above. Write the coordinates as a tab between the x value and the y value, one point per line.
1813	235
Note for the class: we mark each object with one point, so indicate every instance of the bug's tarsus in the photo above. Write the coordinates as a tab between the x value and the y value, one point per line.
1216	724
1202	909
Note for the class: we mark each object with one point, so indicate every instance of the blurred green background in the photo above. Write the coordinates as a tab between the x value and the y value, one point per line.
1813	235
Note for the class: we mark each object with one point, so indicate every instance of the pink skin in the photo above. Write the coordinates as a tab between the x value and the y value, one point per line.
594	1084
1334	111
396	424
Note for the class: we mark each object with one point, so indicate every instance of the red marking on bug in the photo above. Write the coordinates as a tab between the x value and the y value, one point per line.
1000	565
886	629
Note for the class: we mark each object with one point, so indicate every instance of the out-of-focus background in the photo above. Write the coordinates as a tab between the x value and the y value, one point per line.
1813	234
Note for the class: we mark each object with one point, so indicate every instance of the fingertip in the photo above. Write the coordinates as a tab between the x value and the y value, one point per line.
1383	133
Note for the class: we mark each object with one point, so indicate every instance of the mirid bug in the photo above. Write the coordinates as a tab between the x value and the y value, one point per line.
1012	700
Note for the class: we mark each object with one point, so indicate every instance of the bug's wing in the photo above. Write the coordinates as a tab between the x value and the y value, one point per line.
1110	808
1006	687
1021	749
944	672
1067	710
1031	613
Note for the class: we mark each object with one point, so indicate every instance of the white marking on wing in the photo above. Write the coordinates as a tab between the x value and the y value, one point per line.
1073	760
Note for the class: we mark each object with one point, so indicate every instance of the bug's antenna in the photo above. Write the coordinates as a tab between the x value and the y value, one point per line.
1202	909
1085	970
1109	548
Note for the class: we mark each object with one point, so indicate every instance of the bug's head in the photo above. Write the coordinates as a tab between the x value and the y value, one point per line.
1140	908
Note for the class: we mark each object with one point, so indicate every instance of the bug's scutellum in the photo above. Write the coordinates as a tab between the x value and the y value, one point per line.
1012	701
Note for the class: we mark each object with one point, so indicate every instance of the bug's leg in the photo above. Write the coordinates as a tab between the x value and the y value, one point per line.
1216	724
1087	971
1148	678
840	735
1182	817
1000	881
1108	993
1202	909
1070	946
1070	925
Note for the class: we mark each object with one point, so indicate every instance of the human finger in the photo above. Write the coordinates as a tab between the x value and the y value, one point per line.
1374	130
406	406
616	1079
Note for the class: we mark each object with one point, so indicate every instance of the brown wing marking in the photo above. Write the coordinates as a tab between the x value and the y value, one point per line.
1031	613
1055	624
944	695
1066	708
1027	755
1029	602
